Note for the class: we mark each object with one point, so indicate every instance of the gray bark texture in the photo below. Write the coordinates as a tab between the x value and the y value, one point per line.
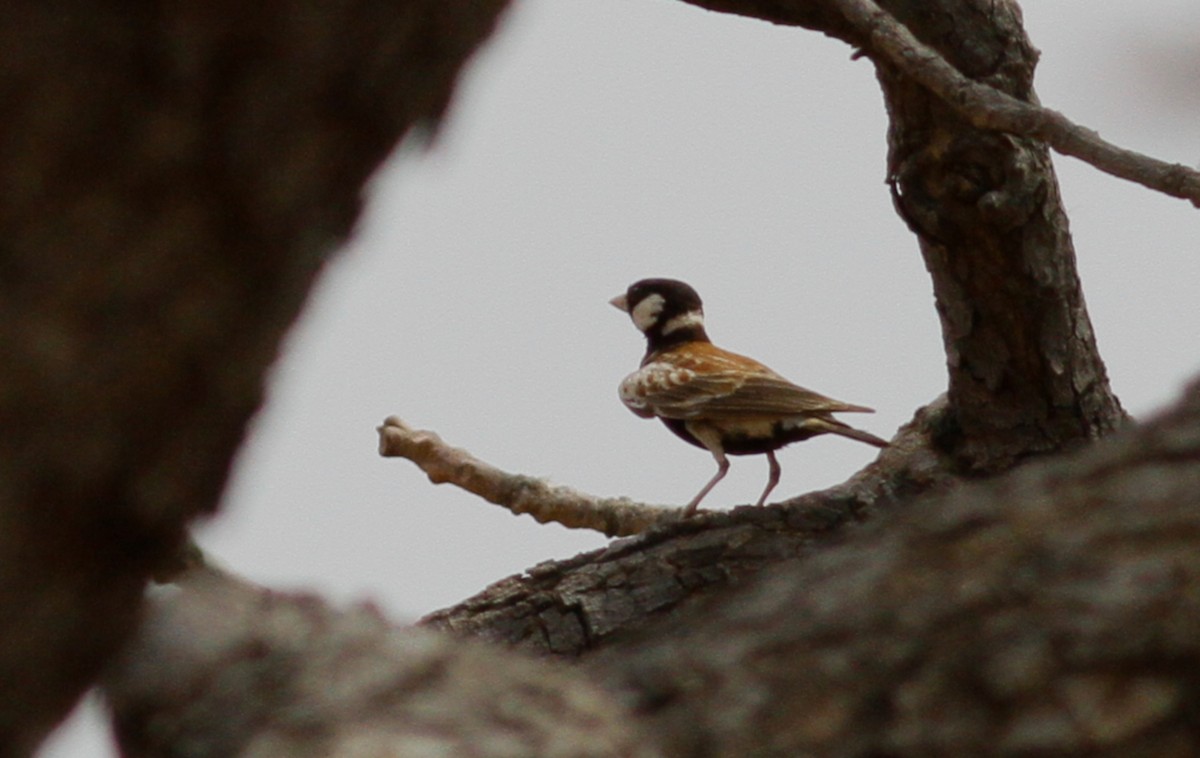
174	176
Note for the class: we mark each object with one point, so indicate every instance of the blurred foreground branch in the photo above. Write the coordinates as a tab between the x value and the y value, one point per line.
174	177
230	669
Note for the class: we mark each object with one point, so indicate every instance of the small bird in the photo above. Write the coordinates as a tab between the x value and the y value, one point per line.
721	401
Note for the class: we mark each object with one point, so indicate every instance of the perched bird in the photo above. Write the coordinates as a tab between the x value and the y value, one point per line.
721	401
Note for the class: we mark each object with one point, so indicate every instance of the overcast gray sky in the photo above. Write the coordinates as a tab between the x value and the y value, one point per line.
596	143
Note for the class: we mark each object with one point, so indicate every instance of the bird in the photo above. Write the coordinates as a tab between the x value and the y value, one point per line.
712	398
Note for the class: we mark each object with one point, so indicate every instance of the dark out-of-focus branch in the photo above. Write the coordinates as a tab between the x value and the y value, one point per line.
229	668
175	175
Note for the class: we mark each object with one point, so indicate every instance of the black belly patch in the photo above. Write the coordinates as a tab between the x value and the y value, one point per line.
744	444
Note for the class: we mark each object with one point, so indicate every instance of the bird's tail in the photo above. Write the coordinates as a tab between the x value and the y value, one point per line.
845	430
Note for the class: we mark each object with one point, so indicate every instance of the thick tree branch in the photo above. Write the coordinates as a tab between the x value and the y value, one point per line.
1025	375
174	175
573	606
229	669
1051	611
546	503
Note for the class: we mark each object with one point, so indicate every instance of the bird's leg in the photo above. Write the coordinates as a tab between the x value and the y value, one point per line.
722	469
772	478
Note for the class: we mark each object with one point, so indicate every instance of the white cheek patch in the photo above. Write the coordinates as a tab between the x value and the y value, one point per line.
683	321
645	313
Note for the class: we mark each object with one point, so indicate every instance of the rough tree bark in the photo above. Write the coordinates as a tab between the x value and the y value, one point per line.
274	676
1052	611
1025	375
174	177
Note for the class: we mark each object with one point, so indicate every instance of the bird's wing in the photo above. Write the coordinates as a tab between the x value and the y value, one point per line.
720	385
772	396
667	390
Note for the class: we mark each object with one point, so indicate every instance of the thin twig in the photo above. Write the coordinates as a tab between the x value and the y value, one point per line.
988	108
615	517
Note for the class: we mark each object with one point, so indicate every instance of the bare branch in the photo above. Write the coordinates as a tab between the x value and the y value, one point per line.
986	107
615	517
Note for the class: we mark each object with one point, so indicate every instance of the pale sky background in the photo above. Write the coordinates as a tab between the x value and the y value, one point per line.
596	143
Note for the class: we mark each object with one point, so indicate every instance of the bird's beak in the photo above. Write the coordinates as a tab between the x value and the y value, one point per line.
620	303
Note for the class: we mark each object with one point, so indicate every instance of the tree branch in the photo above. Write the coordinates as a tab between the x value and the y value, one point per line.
230	669
219	156
1025	374
615	517
1050	611
175	175
986	107
580	604
881	35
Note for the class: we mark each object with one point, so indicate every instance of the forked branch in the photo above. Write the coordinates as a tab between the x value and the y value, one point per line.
988	108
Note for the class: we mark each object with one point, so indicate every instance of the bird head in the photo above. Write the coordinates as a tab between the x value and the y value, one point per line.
665	310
